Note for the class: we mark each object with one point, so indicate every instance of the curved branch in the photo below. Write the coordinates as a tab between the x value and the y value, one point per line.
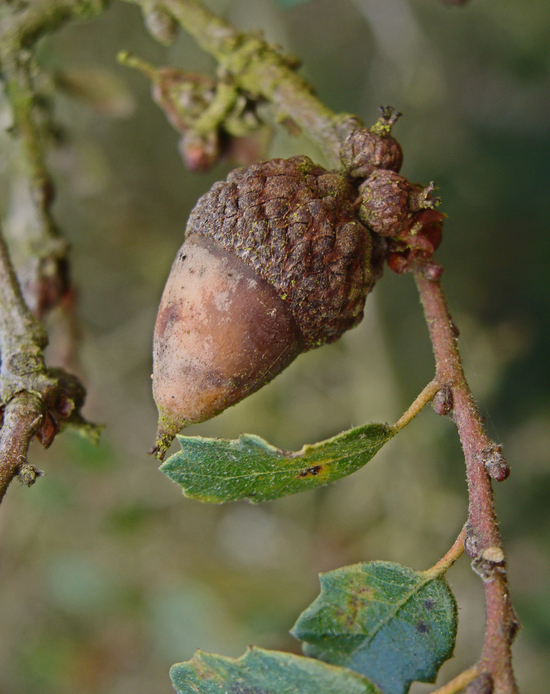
482	541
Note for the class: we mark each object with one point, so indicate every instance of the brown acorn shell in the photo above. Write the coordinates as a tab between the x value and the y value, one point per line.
294	224
221	333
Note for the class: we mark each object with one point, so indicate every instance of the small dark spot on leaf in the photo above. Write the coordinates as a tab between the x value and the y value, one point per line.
428	604
311	471
422	627
366	591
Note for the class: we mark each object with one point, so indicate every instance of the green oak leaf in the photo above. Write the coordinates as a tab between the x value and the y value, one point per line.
218	470
265	672
382	620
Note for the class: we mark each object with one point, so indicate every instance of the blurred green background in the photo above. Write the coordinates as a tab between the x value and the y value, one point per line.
108	575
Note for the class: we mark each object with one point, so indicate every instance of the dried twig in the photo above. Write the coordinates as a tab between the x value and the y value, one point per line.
34	400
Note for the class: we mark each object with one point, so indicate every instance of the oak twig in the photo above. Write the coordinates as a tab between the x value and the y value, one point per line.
482	541
44	247
262	71
34	400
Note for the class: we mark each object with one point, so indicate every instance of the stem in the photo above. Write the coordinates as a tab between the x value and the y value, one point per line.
482	541
454	553
261	71
419	404
459	682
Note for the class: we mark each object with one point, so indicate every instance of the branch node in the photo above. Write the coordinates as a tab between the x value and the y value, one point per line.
443	401
495	463
490	562
432	270
28	474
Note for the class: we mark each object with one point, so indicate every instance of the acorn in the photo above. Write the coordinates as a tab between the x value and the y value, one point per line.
403	213
274	263
367	149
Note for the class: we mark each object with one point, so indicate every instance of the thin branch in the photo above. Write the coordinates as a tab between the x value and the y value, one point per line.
43	242
454	553
34	400
418	405
482	541
22	339
262	71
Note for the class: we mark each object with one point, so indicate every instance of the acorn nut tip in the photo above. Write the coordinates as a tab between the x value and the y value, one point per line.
274	263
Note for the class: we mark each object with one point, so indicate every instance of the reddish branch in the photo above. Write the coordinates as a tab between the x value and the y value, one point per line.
483	542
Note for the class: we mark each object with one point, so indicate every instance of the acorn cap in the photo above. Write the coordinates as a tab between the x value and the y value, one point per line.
294	223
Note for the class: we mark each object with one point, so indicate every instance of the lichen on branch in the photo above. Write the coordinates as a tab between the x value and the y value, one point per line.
34	400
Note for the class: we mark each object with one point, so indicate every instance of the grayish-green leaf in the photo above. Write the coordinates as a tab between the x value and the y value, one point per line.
217	470
383	620
265	672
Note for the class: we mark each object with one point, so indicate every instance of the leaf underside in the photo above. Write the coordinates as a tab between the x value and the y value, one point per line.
219	470
382	620
265	672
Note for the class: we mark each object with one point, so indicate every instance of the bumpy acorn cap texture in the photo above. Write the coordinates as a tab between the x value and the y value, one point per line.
294	223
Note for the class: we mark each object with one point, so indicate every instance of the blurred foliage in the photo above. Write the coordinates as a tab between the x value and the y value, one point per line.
108	574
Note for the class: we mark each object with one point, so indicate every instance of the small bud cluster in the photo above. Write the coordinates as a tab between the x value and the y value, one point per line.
403	213
368	149
213	116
